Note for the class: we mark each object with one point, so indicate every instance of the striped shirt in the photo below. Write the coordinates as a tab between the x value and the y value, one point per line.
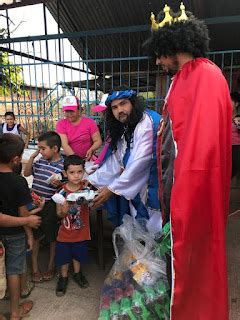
42	171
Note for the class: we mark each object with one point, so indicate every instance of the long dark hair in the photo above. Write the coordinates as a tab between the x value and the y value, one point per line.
115	129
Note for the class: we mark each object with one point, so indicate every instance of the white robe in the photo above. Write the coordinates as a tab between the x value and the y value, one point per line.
132	179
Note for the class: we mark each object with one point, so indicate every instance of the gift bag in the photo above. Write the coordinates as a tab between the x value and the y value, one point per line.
136	287
3	282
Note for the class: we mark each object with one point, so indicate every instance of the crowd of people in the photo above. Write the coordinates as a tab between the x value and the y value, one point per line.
171	167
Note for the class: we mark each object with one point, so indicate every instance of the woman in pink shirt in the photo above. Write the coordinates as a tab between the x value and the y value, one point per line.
79	134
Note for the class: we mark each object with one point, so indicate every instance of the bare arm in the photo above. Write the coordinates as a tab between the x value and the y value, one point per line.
28	168
29	234
10	221
39	208
23	212
66	148
97	142
103	196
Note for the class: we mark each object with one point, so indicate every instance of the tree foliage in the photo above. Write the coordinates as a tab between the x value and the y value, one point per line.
10	76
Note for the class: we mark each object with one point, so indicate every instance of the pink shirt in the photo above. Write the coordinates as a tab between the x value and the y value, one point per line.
80	135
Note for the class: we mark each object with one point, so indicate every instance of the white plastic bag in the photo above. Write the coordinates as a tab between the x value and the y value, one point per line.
136	287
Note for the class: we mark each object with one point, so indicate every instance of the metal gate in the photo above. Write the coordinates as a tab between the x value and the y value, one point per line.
36	72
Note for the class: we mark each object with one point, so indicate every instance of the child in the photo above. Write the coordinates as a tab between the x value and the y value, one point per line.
45	183
34	207
14	197
74	230
11	221
15	128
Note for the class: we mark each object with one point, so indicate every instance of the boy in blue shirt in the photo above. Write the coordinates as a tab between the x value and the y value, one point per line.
46	173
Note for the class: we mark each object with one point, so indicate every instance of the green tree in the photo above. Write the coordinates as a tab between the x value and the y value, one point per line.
10	76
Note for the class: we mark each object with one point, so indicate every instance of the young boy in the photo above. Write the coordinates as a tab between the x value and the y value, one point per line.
6	221
74	230
14	197
45	183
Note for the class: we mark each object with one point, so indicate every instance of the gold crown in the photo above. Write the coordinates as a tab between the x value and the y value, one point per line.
168	19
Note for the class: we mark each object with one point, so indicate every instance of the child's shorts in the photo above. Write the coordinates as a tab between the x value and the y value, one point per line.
50	223
67	251
15	253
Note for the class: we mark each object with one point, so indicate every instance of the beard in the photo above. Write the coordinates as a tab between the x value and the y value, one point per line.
173	69
123	118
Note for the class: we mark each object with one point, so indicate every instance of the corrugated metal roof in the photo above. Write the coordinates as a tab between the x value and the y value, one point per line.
99	14
85	15
75	15
7	4
78	15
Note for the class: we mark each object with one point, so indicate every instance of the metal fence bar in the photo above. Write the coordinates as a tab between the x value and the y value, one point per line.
103	60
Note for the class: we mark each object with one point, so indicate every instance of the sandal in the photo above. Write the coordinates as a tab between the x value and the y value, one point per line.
37	277
24	308
81	280
49	275
29	288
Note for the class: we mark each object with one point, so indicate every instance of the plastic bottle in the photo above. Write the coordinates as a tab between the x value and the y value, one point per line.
114	311
126	311
138	307
161	292
150	298
104	315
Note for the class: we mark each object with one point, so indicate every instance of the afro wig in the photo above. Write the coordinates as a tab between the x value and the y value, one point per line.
190	36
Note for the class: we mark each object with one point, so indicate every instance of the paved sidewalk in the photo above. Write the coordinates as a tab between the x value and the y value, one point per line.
82	304
233	253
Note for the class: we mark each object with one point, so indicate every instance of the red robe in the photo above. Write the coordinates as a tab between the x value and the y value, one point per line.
200	110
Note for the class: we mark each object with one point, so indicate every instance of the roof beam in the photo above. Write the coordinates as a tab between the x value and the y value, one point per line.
142	28
7	4
222	20
26	55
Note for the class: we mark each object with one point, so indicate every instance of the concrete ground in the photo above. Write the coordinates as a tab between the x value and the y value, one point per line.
77	303
233	253
83	304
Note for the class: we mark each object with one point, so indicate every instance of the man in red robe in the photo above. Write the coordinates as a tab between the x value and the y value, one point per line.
194	147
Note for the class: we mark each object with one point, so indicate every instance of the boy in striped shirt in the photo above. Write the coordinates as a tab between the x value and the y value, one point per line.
46	180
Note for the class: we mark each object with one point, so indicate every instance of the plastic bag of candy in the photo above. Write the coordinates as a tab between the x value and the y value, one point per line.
136	287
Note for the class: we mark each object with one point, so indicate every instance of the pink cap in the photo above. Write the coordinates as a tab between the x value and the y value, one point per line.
99	108
70	103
